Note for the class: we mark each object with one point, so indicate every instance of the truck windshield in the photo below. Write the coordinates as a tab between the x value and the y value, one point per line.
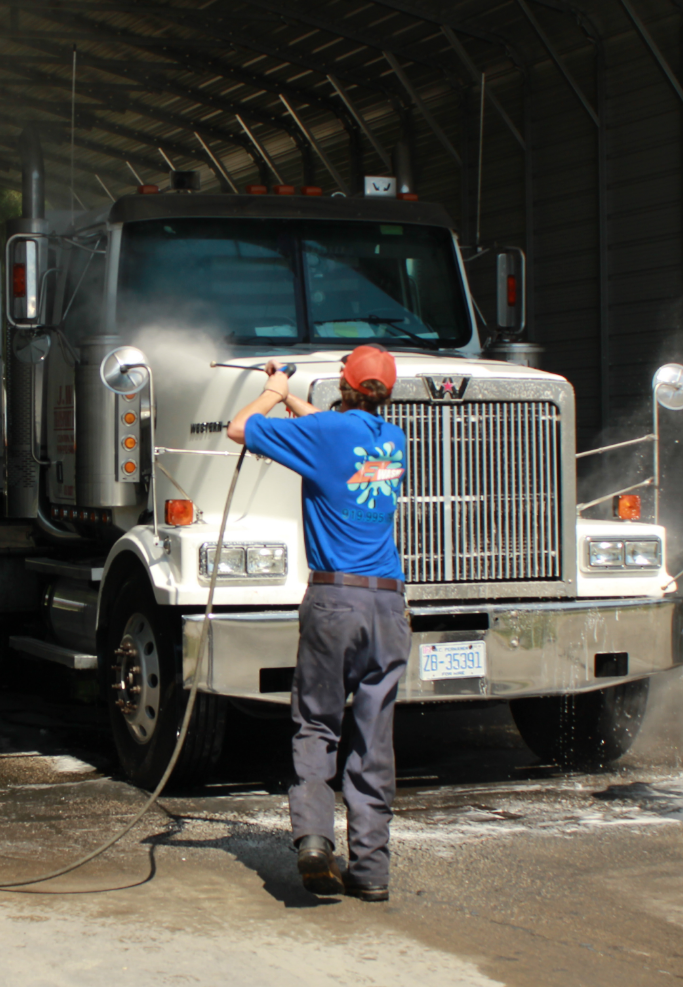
284	282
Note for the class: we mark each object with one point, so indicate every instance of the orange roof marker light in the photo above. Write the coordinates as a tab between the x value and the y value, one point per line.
311	190
179	512
408	196
256	189
627	507
284	190
148	189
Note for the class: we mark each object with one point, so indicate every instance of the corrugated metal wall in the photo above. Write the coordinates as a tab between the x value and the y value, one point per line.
643	200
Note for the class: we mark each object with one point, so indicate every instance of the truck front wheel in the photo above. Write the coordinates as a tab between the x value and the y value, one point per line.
588	729
146	697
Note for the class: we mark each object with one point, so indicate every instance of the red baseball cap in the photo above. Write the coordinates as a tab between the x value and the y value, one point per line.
369	363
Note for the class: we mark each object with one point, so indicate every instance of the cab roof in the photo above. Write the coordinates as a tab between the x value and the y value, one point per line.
136	208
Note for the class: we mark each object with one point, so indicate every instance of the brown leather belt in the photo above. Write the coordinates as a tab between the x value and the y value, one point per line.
361	582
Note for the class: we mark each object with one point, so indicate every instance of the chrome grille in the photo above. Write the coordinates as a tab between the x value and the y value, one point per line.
481	497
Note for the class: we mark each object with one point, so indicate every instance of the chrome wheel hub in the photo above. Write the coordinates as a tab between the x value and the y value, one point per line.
136	678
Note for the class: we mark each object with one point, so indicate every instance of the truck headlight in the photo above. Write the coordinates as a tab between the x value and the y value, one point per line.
266	560
643	554
606	553
244	560
232	562
609	553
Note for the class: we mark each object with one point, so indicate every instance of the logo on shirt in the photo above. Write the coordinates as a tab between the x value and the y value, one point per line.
374	470
377	472
446	388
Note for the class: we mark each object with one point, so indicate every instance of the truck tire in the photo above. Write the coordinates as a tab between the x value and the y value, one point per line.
584	730
145	695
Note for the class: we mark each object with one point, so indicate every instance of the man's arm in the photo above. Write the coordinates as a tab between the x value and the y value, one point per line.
276	390
296	405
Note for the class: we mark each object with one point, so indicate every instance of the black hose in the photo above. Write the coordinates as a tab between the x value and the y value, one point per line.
186	719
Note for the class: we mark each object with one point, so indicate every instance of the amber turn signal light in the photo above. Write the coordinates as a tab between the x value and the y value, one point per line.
130	418
130	442
179	512
627	507
129	467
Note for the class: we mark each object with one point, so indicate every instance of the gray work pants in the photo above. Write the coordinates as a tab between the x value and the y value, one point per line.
353	641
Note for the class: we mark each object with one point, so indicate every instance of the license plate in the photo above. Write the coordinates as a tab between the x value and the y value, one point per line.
453	660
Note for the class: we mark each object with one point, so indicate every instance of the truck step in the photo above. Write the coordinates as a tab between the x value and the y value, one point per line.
53	652
89	570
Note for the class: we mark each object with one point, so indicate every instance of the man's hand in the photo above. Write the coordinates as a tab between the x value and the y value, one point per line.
296	405
277	382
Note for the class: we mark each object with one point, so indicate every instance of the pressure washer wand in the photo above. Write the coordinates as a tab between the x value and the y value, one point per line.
288	368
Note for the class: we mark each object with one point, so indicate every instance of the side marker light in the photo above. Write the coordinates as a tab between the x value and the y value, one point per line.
284	189
408	196
130	418
627	507
129	467
178	512
311	190
147	189
130	442
256	189
19	280
512	290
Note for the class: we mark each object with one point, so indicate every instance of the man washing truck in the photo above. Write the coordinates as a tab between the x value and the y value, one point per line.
355	637
114	493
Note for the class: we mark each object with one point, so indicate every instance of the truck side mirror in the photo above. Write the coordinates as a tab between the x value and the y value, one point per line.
125	370
25	268
511	289
667	384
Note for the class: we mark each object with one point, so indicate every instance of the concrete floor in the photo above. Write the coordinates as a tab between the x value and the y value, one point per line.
504	871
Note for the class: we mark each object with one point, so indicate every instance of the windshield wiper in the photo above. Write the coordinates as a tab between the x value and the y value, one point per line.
378	320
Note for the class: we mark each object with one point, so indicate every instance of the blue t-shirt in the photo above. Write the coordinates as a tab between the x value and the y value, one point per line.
352	465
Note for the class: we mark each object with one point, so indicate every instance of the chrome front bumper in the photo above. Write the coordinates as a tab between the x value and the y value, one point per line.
532	648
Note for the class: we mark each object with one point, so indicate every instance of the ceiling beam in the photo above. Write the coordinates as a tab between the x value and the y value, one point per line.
136	106
337	27
469	30
63	110
216	28
146	80
105	170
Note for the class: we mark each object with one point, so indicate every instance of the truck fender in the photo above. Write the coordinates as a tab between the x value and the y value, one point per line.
130	555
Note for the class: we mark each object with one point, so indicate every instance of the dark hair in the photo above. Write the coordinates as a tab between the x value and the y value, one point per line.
378	396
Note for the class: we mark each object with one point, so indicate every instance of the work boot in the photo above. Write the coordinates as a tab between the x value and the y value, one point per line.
366	892
317	866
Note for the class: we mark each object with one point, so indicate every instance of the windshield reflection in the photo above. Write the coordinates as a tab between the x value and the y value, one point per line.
283	282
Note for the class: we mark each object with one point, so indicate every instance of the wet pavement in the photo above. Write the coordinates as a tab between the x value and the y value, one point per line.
505	871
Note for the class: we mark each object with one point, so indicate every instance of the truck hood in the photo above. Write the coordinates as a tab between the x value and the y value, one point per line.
327	363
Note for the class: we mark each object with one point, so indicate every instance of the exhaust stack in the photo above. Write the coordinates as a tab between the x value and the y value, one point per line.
23	381
32	174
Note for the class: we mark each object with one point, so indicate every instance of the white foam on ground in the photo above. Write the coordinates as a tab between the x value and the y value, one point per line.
65	764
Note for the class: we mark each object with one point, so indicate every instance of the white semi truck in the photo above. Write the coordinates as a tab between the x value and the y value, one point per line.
120	491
